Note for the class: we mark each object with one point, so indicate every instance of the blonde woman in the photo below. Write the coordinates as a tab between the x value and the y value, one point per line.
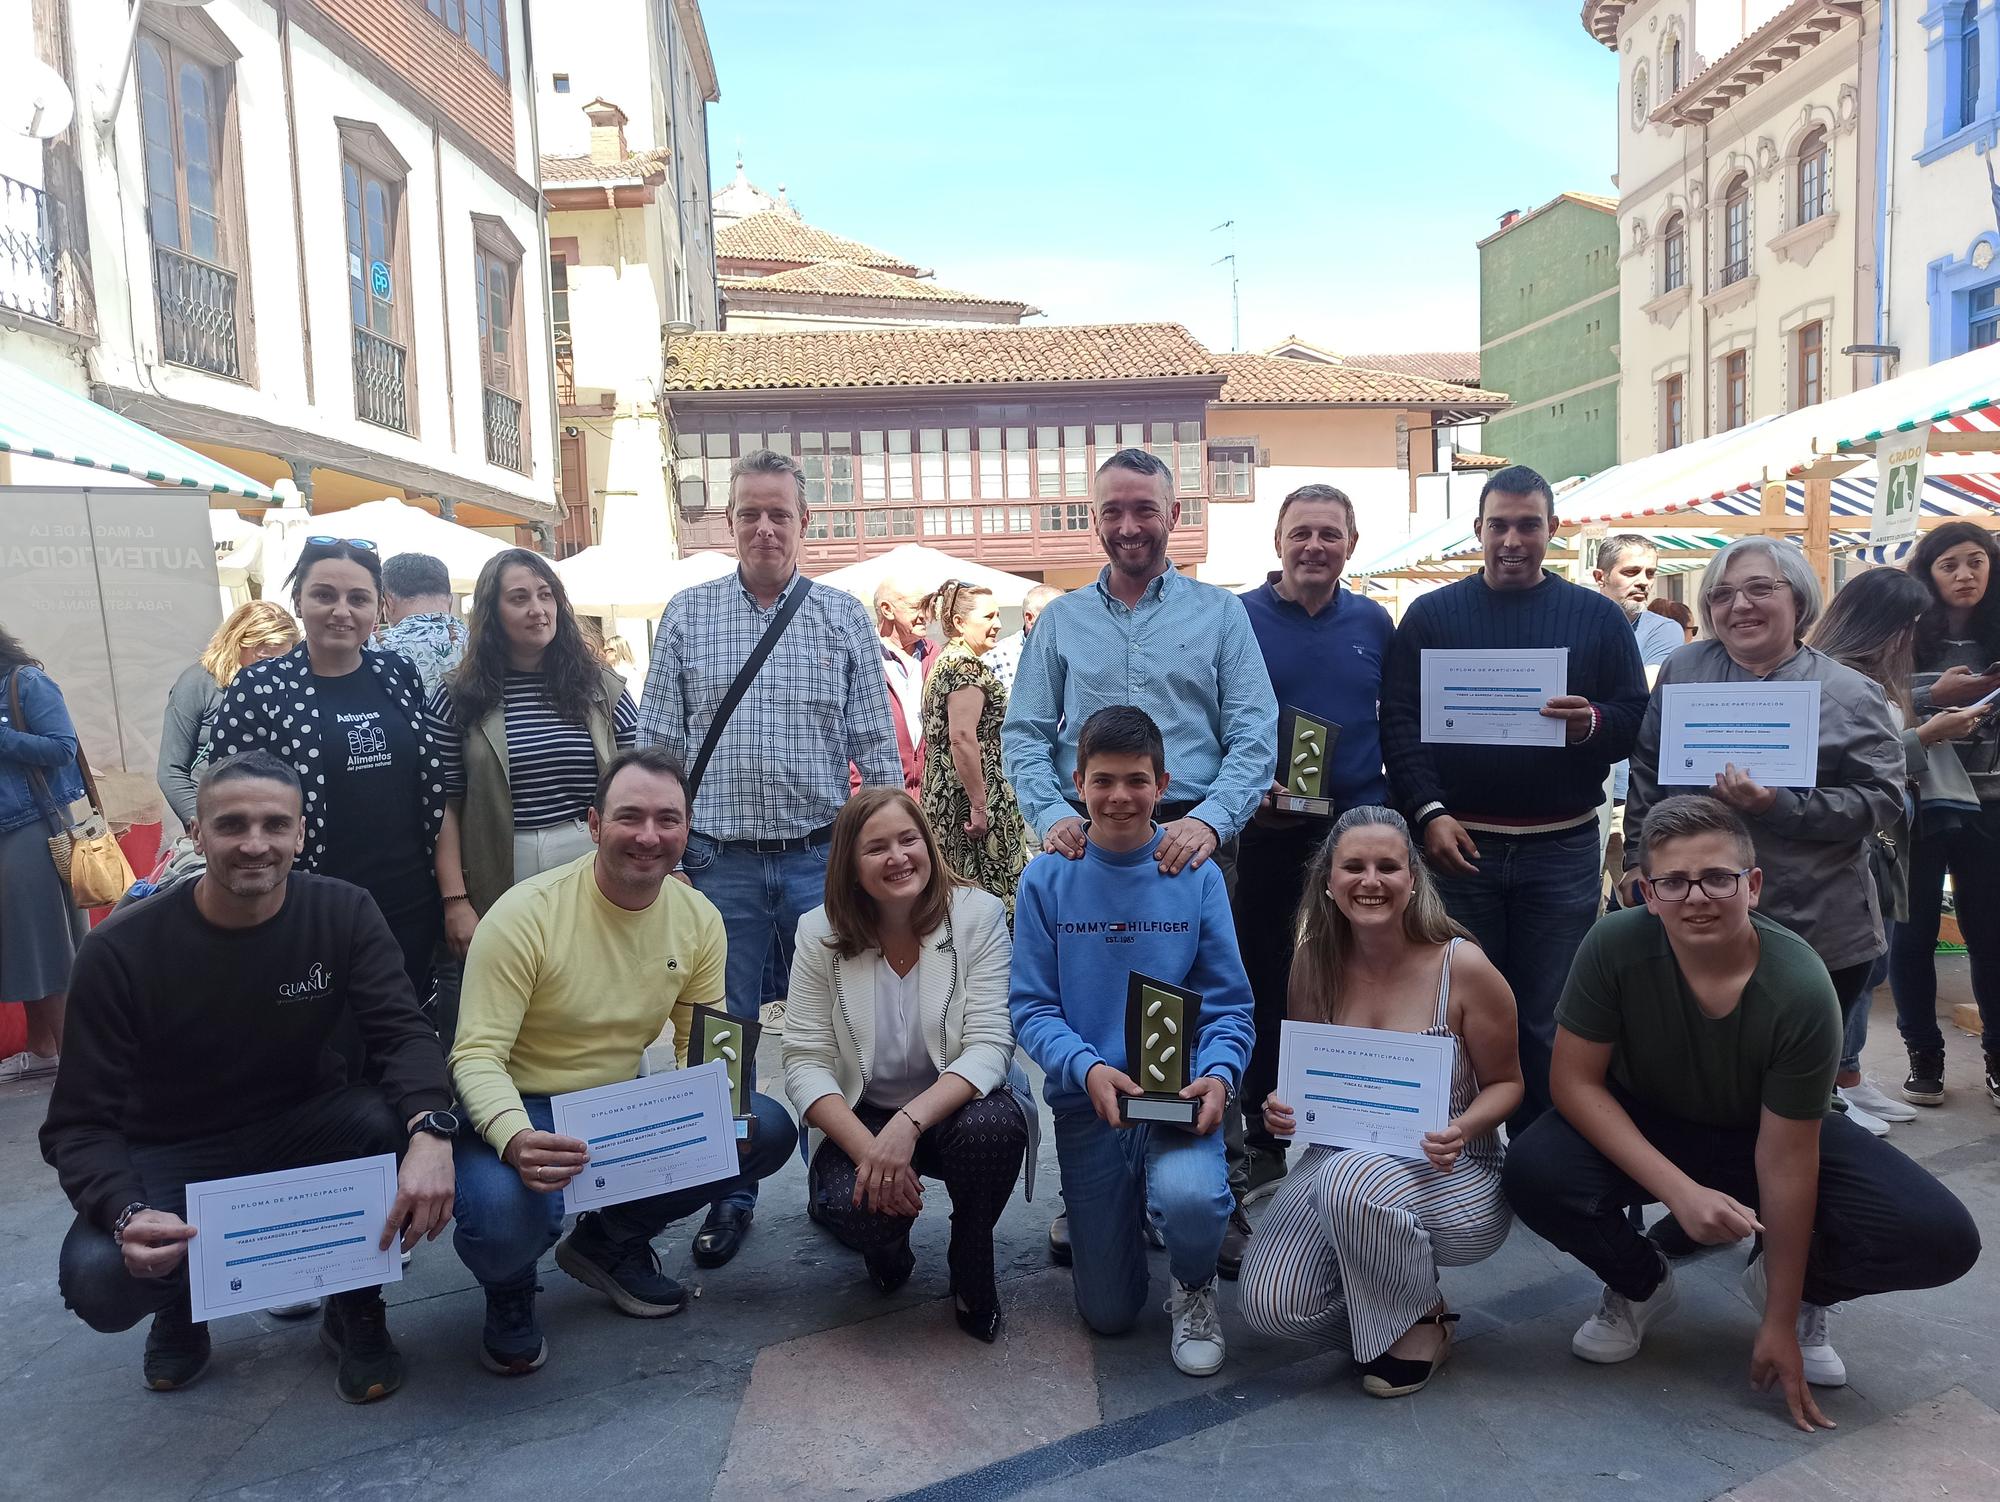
260	629
1349	1253
965	796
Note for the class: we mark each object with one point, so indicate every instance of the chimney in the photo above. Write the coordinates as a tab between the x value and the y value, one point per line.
1505	219
607	131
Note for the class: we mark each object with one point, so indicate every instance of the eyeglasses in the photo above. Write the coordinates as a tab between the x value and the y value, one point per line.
1756	591
1715	885
335	542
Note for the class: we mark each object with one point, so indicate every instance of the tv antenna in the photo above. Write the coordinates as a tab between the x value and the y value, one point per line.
1235	301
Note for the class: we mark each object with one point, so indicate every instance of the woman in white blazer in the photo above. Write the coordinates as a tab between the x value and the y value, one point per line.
897	1051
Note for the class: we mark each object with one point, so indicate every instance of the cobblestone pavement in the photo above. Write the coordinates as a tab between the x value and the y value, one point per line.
789	1376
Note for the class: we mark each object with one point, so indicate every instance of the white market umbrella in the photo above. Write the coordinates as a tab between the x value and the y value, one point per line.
608	581
924	566
397	527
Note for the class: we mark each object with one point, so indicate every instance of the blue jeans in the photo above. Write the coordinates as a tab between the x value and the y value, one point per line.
1529	906
503	1226
1855	1035
1971	853
1109	1175
761	899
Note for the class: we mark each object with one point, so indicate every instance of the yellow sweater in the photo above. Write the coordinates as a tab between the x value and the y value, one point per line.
564	990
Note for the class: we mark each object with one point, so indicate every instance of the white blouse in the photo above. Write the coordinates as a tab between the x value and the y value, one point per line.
903	1067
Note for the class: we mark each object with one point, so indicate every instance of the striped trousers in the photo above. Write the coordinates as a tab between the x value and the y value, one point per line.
1349	1251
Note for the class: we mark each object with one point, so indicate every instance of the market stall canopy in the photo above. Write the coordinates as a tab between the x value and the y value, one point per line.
915	564
397	527
42	421
608	581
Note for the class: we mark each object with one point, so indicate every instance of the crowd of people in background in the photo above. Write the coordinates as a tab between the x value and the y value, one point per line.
507	879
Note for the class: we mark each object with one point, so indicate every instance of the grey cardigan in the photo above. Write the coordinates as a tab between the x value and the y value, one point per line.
191	706
1813	843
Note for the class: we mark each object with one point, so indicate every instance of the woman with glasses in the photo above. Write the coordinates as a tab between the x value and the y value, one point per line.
350	720
1758	599
1348	1255
1958	823
253	632
965	796
524	726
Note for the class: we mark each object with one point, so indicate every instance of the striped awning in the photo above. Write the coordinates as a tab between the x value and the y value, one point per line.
39	420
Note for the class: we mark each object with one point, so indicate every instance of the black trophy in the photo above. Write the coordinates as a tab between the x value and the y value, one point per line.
1160	1021
1304	744
717	1035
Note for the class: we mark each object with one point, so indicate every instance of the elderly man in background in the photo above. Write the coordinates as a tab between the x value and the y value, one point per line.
416	597
1627	566
1006	654
902	611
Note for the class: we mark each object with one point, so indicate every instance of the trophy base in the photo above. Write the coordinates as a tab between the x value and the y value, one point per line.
1170	1109
1295	803
746	1128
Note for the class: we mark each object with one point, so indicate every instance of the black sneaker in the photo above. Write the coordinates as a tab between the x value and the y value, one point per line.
355	1328
1235	1243
1925	1085
177	1349
1059	1252
1267	1172
511	1342
629	1275
1993	1079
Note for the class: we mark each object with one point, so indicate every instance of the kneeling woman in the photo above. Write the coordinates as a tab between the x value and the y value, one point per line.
1348	1253
898	1047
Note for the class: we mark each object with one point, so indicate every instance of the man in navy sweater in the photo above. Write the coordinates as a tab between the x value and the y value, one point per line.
1512	830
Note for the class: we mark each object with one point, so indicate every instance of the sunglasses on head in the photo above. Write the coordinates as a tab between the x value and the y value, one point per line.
335	542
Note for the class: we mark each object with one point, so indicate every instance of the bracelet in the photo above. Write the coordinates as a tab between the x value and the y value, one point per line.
125	1219
457	897
905	1111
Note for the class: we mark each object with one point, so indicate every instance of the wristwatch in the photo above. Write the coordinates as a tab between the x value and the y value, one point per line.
438	1123
125	1219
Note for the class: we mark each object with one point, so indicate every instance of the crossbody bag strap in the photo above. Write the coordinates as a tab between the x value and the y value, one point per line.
741	686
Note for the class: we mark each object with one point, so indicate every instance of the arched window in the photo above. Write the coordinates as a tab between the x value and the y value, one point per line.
1815	192
1968	64
1736	229
1673	254
1673	69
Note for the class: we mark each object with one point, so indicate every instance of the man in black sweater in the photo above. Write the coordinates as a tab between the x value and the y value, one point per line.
1511	831
198	1049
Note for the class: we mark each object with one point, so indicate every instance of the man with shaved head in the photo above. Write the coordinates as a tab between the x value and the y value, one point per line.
902	610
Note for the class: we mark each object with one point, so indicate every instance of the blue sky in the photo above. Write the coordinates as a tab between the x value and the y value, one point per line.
1077	154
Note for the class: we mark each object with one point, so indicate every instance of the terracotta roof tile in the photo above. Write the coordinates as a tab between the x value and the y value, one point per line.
1451	366
581	169
775	236
846	279
935	357
1467	459
1273	380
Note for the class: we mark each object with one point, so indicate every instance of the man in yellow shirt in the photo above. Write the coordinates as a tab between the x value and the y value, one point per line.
571	975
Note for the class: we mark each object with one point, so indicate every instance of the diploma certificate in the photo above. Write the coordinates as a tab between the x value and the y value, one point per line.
1769	731
649	1135
284	1238
1493	698
1364	1087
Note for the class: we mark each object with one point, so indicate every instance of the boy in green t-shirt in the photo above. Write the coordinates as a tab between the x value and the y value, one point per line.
1696	1044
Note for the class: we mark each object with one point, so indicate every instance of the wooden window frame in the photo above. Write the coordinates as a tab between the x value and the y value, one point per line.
1673	253
1673	411
1735	390
1809	364
1733	269
371	152
1815	156
192	37
438	18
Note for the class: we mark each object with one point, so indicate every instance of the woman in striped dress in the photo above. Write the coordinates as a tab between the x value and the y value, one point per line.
1348	1253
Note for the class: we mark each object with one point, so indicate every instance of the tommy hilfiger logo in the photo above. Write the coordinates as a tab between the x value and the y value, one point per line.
1138	926
318	981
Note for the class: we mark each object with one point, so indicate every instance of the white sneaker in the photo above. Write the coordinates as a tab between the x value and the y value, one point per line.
27	1066
1868	1121
1197	1332
1872	1098
772	1016
1823	1365
1618	1329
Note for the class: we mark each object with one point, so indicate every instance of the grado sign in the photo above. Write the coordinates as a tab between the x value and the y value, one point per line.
1899	484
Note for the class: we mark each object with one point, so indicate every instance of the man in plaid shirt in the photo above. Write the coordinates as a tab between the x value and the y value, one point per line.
764	810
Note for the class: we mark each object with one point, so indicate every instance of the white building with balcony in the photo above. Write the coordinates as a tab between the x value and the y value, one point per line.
307	241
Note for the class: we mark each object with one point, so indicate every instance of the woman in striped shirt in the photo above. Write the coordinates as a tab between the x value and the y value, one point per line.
1349	1253
524	726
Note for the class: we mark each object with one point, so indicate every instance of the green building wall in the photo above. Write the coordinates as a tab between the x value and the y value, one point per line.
1548	336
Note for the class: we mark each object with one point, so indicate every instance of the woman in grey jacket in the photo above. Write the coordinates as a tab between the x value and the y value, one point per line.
253	632
1758	599
898	1047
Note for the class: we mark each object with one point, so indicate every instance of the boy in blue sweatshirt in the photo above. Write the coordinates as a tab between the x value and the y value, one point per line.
1081	927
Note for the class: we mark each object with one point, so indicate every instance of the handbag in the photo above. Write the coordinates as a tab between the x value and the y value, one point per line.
86	855
741	684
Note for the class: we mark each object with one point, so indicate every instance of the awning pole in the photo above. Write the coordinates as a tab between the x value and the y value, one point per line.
1819	527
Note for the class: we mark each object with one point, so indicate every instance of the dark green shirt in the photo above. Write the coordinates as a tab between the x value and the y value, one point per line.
1779	1047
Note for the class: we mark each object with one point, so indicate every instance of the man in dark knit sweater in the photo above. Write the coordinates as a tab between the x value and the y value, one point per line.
1512	830
198	1048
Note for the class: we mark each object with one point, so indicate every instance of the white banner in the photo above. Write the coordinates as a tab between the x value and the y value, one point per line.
1899	484
115	590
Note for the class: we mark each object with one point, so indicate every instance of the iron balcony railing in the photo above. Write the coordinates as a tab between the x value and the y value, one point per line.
29	264
197	313
503	431
381	385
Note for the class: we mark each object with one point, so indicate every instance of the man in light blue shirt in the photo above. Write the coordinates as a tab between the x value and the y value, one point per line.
1145	634
1627	566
